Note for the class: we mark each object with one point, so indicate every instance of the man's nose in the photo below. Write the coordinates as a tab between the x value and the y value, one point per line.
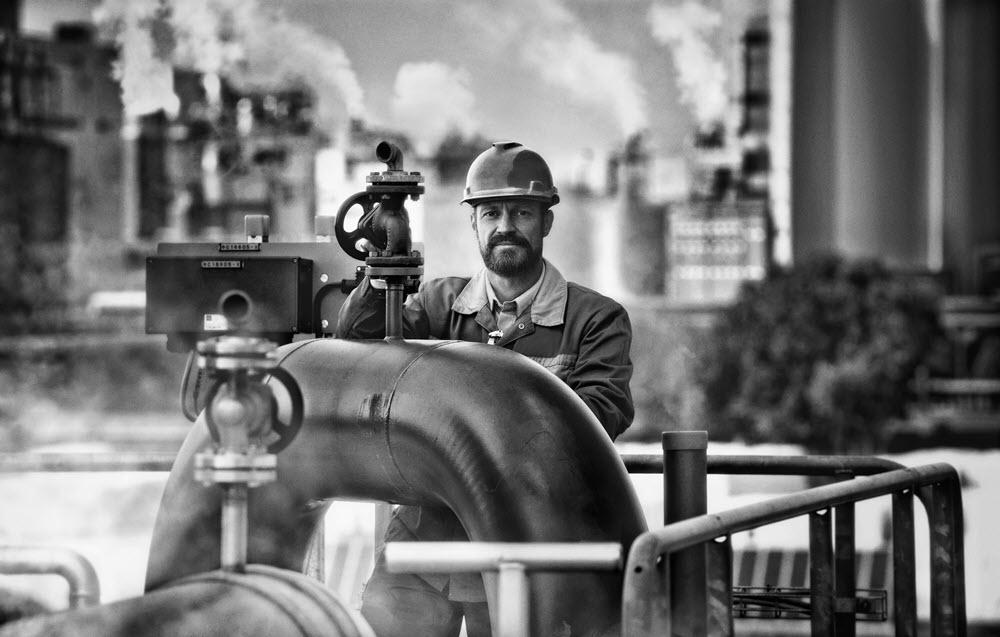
506	223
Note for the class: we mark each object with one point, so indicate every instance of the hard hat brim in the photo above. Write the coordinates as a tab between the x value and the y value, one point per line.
512	193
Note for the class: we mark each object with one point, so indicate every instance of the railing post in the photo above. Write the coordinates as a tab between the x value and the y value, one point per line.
512	598
904	574
947	561
845	583
685	495
821	573
720	587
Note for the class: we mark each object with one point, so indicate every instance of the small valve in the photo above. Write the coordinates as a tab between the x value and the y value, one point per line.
241	416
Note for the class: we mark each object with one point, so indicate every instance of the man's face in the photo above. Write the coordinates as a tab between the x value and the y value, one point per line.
510	233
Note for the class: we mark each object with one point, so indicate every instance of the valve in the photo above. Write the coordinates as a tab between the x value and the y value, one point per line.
385	222
241	415
392	265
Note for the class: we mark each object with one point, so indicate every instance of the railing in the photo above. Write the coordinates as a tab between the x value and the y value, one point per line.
84	588
695	548
511	561
76	462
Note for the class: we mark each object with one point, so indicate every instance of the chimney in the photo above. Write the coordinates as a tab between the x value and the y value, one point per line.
642	235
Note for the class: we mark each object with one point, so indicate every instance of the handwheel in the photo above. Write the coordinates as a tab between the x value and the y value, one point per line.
348	240
285	431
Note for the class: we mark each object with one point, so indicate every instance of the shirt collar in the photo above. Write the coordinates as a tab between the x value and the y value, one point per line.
524	300
548	307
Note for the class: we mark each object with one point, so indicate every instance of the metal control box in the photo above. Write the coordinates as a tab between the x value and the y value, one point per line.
226	292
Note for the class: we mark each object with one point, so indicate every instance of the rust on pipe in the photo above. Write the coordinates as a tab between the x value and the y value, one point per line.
481	430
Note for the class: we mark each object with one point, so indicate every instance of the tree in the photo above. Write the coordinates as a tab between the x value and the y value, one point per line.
820	354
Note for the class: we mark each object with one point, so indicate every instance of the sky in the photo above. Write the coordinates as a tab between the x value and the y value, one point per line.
561	76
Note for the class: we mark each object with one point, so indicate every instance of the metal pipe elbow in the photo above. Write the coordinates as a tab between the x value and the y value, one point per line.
493	436
79	573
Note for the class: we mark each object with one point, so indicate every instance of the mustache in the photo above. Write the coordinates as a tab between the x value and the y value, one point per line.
507	239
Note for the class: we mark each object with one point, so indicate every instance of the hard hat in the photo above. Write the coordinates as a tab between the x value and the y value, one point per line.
509	170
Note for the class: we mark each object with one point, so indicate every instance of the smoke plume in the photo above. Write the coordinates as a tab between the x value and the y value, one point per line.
250	43
701	76
431	100
145	74
551	40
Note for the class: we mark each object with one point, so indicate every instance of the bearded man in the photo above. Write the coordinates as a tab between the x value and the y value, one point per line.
518	301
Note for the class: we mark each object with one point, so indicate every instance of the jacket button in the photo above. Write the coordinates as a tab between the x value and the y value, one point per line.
520	326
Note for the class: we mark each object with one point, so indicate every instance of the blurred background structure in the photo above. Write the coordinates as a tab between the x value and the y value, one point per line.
797	202
767	135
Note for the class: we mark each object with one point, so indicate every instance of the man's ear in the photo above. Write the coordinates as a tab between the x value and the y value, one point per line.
472	220
547	218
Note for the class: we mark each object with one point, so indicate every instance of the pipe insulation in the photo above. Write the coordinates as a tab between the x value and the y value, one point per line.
484	431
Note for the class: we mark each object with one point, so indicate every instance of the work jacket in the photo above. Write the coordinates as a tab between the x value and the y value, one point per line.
579	335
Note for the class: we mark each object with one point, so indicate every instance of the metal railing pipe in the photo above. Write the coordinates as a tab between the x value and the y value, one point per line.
634	462
947	561
79	573
76	462
719	555
513	619
821	576
647	567
469	557
771	465
844	567
512	561
685	495
904	573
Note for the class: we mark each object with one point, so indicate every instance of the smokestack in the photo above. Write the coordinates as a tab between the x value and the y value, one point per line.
642	235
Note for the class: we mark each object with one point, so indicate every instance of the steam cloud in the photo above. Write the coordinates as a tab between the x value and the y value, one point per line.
701	76
251	44
551	40
145	72
431	100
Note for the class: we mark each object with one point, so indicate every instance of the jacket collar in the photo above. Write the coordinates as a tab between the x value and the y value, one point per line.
548	308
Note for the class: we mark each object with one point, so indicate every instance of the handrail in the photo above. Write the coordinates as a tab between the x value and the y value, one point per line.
512	561
640	463
85	462
771	465
646	598
79	573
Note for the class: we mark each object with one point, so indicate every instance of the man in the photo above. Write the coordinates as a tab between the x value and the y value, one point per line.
518	301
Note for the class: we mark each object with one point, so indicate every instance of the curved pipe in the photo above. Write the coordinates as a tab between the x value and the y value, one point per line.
430	423
263	602
79	573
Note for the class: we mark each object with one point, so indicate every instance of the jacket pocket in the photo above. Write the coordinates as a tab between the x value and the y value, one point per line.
561	364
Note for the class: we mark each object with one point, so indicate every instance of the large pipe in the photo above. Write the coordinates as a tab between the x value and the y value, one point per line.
481	430
263	602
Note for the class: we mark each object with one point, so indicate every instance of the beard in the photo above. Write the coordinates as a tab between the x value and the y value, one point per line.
509	263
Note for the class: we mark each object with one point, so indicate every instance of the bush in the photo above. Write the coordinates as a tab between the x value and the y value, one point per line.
820	355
